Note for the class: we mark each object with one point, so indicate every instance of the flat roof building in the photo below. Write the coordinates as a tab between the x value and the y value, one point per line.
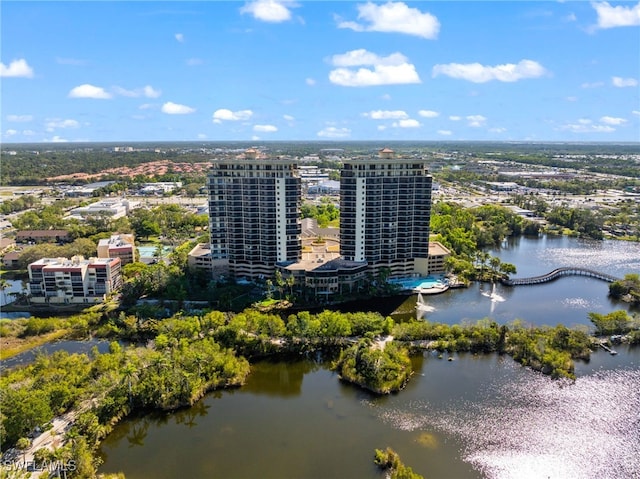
118	246
112	208
254	213
75	280
385	210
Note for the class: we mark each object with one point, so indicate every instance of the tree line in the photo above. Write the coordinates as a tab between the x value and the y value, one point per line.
184	356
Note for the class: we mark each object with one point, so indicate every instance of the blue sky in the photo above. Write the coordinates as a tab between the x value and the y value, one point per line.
319	70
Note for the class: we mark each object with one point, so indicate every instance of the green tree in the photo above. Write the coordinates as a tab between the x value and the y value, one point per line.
22	411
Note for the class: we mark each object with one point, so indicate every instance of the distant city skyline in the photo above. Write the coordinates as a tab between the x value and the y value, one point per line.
279	70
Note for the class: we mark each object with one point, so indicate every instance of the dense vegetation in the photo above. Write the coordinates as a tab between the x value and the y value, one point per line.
326	213
616	322
382	369
465	231
185	356
628	288
31	166
389	460
18	204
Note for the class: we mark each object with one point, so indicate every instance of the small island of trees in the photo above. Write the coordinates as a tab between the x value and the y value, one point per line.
380	367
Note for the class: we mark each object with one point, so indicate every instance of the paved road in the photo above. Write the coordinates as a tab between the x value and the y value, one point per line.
51	439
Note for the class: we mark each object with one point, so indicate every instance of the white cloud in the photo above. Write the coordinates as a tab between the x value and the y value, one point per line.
455	118
408	123
390	70
364	57
273	11
202	136
497	130
612	120
445	132
89	91
28	132
193	62
635	112
11	132
386	97
288	117
19	118
380	75
17	68
333	132
428	113
310	81
146	91
393	17
54	123
571	98
146	106
265	128
150	92
55	139
381	127
476	121
623	82
619	16
171	108
227	115
477	73
179	37
124	92
584	125
386	115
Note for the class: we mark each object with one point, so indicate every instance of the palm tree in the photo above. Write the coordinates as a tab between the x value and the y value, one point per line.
291	281
129	372
4	285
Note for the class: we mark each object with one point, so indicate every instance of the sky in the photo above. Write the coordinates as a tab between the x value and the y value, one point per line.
276	70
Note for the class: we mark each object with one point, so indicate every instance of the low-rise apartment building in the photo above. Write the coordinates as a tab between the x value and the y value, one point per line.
75	280
43	236
118	246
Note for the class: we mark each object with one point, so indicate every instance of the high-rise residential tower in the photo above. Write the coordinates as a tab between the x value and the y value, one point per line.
254	214
385	209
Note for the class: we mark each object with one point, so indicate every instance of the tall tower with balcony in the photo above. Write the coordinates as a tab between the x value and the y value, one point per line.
254	214
385	210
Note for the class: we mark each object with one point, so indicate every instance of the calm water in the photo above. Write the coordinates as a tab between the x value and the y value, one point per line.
13	286
474	417
477	416
567	300
71	346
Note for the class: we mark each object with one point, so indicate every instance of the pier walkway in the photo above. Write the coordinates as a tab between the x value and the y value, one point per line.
556	273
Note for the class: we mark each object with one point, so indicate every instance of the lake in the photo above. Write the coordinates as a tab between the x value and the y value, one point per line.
567	300
473	417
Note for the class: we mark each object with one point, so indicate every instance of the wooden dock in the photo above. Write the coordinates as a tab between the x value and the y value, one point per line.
607	348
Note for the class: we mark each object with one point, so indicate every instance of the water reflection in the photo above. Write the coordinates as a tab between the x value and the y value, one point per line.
477	416
279	378
526	426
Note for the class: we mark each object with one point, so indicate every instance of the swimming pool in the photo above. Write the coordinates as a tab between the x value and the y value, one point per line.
427	282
